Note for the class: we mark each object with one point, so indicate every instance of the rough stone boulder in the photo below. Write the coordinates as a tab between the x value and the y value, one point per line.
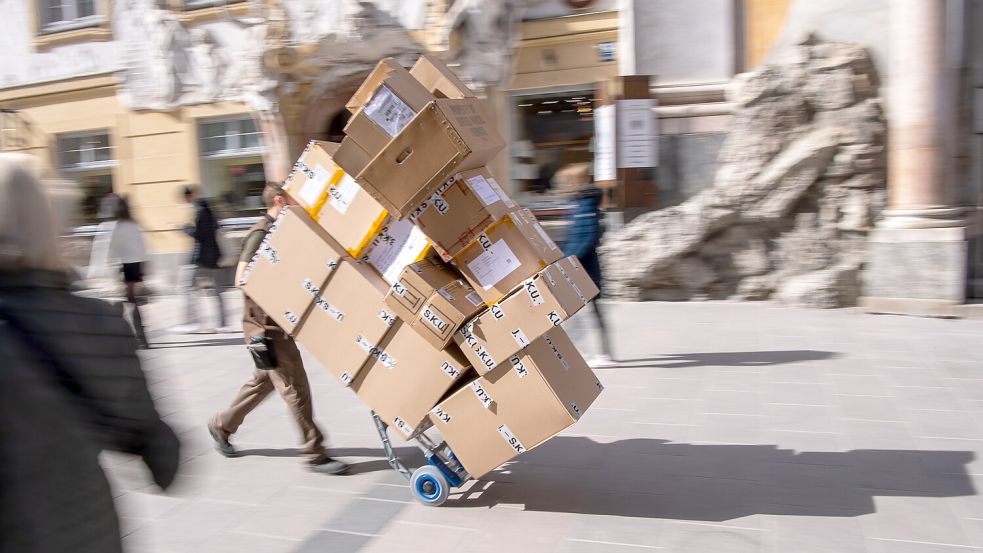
801	179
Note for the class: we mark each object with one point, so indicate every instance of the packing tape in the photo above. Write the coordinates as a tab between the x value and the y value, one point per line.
520	368
482	394
379	222
450	370
441	415
510	439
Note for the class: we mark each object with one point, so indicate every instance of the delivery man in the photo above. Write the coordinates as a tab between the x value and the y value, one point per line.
278	362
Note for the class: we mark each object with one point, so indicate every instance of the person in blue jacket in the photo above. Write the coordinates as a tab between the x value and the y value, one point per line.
583	238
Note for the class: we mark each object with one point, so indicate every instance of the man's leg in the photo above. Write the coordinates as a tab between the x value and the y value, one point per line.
250	395
291	382
216	286
603	329
188	281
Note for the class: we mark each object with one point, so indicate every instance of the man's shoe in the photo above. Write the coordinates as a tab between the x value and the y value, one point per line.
330	466
222	443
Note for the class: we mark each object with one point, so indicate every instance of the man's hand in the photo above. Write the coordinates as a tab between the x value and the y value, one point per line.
240	269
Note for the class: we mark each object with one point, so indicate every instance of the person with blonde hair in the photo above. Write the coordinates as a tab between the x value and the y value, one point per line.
70	386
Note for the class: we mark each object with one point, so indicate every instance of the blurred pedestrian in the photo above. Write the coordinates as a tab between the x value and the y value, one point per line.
70	386
582	240
205	270
278	362
126	244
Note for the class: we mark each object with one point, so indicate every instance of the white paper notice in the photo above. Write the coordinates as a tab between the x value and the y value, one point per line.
312	190
637	140
483	189
605	167
388	111
494	264
343	194
396	246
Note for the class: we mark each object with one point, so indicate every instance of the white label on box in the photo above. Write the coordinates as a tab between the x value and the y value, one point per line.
575	409
494	264
311	288
554	318
404	428
445	294
501	193
556	352
346	378
520	368
450	371
542	234
332	264
399	289
397	245
429	314
388	111
496	311
474	298
481	394
387	360
266	251
483	189
480	351
533	291
510	439
387	317
331	310
440	204
312	190
442	416
343	194
520	338
291	317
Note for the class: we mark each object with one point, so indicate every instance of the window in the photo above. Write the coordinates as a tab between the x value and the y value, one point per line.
230	137
232	165
63	15
88	158
196	4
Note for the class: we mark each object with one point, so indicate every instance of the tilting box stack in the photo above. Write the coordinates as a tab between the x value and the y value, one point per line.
408	272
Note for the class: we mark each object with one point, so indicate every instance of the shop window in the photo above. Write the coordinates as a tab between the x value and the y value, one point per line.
232	172
88	158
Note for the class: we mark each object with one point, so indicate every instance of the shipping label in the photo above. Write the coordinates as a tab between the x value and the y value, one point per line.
481	394
533	291
483	189
387	317
501	193
343	194
312	190
450	370
520	368
494	264
510	439
441	415
520	338
429	314
388	111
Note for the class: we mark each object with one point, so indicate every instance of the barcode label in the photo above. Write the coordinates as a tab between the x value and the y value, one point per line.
510	439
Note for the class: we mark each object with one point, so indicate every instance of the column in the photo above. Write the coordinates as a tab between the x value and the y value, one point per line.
917	252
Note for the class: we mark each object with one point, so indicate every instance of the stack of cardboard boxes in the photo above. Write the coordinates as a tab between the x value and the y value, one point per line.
411	276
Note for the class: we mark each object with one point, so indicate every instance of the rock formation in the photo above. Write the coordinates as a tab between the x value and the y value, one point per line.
800	181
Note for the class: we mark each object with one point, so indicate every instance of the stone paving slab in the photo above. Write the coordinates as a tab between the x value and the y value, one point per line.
729	428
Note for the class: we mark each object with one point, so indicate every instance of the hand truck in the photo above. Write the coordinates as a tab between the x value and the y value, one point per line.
431	483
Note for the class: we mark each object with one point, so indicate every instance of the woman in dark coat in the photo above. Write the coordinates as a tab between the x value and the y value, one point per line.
70	386
583	238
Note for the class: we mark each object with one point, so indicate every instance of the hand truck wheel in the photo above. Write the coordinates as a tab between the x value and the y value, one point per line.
429	486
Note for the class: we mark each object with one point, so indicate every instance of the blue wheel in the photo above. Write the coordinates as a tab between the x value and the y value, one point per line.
429	486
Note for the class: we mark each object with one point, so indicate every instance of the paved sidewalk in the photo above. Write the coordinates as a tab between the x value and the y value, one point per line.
734	428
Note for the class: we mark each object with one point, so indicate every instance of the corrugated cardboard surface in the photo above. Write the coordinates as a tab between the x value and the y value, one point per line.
290	268
513	249
449	307
400	81
439	79
405	381
398	244
416	284
518	406
535	307
351	216
463	208
312	174
348	320
353	159
448	136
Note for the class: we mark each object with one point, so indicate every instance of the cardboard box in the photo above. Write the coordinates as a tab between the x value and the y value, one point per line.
462	209
352	157
508	252
439	79
446	137
538	305
290	268
389	72
397	244
416	284
519	405
339	205
407	378
445	311
348	320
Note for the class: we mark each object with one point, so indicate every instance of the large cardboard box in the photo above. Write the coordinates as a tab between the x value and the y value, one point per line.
397	244
348	320
462	209
508	252
519	405
290	268
390	97
446	137
330	195
352	157
407	378
538	305
439	79
390	73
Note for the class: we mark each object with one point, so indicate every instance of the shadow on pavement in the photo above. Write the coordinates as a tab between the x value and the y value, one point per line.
660	479
196	343
726	359
410	456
